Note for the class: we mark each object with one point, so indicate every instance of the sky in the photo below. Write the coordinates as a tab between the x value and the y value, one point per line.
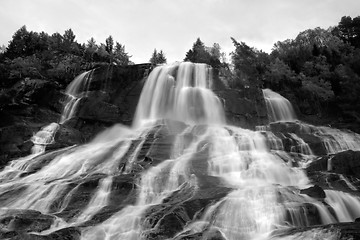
174	25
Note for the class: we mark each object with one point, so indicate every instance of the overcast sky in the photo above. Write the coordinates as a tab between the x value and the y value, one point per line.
174	25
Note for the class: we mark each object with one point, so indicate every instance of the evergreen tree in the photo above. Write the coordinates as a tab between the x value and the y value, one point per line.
153	59
109	44
198	53
18	45
157	57
161	57
120	56
69	36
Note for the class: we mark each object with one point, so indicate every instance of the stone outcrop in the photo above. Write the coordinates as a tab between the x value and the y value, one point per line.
24	109
341	231
347	162
16	224
112	98
245	108
315	192
34	103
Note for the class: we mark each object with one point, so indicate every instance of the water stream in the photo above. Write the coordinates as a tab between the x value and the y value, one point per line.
263	189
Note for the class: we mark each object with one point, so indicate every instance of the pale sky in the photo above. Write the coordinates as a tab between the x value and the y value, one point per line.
174	25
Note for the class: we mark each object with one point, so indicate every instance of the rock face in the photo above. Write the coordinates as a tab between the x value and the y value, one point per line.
24	109
33	103
112	97
347	162
168	180
245	108
314	191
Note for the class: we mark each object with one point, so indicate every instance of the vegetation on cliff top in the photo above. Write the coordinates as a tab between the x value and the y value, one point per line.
318	70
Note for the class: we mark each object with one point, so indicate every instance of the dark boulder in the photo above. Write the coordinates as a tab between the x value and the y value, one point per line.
347	162
15	221
314	192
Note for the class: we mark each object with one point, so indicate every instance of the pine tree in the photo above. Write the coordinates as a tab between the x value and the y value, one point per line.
157	57
120	56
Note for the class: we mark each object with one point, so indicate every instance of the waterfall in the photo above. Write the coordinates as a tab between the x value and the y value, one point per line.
179	155
281	112
77	89
180	92
44	137
346	206
279	108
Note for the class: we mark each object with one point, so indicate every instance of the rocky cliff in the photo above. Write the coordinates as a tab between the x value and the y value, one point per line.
112	97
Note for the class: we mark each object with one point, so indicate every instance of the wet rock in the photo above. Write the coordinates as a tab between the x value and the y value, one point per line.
214	234
341	231
93	109
207	234
14	222
71	233
81	192
245	108
347	162
66	136
123	193
34	103
42	160
165	220
314	192
334	180
88	128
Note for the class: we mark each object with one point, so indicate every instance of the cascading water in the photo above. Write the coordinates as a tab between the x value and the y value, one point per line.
77	89
181	156
279	108
180	92
44	137
280	111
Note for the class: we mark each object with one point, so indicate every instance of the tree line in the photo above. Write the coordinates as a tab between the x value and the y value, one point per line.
318	69
57	57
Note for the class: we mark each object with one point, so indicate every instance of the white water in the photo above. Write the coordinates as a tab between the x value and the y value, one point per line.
279	108
77	89
264	189
336	140
44	137
300	146
179	92
346	206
